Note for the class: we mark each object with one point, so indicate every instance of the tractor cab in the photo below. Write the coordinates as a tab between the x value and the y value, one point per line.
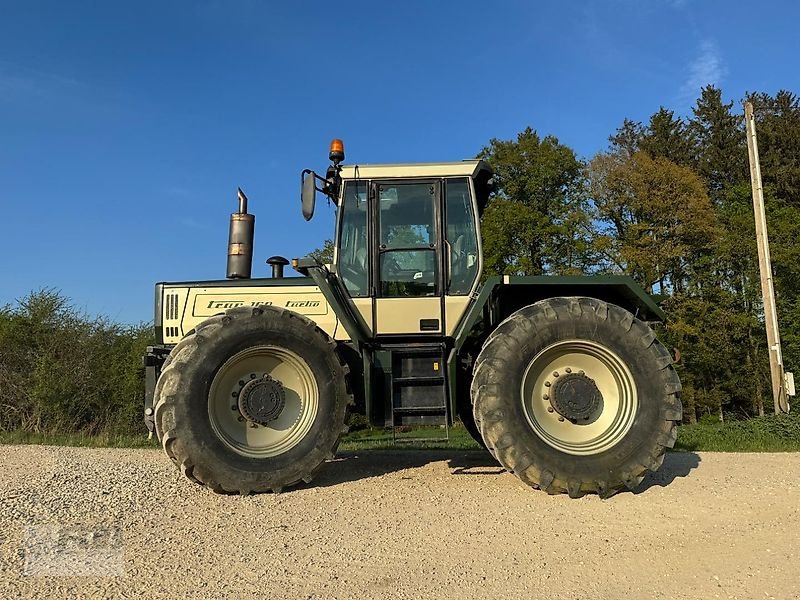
407	247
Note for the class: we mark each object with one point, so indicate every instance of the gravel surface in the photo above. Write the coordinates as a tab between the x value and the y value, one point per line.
88	523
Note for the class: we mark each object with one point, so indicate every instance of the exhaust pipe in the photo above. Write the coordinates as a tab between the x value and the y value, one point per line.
240	241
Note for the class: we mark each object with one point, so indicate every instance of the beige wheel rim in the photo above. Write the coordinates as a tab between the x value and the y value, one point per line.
291	424
605	423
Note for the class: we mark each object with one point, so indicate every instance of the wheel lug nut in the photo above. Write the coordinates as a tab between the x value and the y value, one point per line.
561	419
568	370
234	407
241	418
252	375
241	382
234	394
555	373
546	384
545	397
549	409
253	425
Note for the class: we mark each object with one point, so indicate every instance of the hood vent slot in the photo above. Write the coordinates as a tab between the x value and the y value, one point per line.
172	307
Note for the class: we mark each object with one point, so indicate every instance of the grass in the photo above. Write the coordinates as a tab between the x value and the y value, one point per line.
427	438
364	439
772	433
102	440
764	434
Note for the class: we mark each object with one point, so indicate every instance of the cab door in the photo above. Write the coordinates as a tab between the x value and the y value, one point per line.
408	269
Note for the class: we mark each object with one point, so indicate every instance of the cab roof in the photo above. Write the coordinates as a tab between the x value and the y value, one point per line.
464	168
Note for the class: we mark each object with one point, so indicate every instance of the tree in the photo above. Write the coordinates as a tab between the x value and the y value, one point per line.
719	140
535	222
654	219
778	122
665	136
668	137
509	230
628	138
323	255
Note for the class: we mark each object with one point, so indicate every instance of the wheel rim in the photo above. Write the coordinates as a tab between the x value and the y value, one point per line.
587	425
285	429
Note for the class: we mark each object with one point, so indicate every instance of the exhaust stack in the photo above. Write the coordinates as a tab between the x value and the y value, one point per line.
240	241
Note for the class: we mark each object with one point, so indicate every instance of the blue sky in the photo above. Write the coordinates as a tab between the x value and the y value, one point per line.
125	127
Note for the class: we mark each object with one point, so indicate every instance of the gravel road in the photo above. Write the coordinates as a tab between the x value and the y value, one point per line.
87	523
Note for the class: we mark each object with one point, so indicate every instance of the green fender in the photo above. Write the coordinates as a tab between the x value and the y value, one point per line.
506	294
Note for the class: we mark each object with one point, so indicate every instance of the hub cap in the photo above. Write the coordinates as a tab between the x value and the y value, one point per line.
576	397
579	397
263	401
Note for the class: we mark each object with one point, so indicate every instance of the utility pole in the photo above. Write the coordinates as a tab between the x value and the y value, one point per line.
779	378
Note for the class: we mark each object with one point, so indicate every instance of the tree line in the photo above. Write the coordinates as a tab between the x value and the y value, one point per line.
668	203
63	371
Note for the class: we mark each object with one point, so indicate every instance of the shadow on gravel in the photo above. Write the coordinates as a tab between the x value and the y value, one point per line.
355	465
676	464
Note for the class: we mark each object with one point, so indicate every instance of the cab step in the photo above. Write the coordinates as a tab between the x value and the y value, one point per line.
418	391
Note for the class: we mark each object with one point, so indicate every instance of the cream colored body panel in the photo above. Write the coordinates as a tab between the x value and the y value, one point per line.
454	309
185	307
403	315
364	307
464	168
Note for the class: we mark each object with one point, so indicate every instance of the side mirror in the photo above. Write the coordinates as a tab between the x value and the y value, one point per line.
308	196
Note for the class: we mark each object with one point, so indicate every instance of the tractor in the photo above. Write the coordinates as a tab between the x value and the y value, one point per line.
560	378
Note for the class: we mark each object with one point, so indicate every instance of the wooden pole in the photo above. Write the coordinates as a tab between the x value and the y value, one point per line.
765	268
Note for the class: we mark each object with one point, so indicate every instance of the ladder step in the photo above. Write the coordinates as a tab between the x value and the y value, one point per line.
427	380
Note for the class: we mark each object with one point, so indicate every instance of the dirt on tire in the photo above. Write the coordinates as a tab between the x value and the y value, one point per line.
111	523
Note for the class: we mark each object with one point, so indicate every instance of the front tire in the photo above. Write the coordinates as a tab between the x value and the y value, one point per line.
575	395
254	400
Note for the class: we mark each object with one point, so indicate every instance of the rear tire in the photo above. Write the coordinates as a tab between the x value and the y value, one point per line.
599	428
230	446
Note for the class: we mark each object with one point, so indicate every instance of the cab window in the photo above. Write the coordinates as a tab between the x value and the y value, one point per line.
353	257
461	235
407	239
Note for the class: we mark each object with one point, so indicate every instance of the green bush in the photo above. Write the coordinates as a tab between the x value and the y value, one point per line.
62	371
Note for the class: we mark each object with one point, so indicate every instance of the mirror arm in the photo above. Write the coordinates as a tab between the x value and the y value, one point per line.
333	182
316	178
327	185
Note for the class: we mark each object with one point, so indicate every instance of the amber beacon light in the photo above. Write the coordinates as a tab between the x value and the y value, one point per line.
337	150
